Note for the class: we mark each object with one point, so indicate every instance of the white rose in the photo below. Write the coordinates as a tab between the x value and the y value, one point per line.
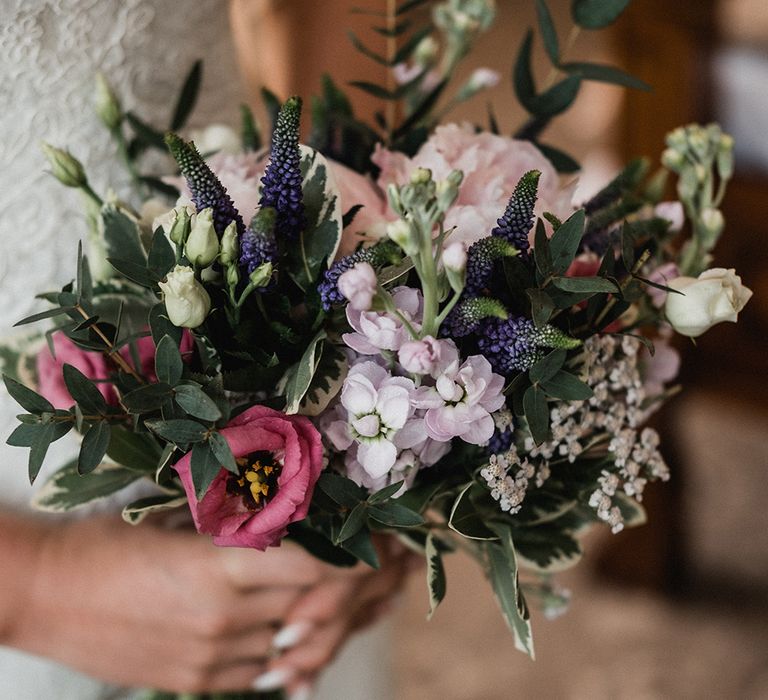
186	300
716	295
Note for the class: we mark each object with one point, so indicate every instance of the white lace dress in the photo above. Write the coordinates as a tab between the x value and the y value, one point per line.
49	53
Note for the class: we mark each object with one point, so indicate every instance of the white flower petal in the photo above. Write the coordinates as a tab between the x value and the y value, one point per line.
377	457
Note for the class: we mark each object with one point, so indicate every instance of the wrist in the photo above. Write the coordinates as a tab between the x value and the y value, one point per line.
22	543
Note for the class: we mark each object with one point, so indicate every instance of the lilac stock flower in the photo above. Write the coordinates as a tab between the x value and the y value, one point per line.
358	285
206	189
375	331
282	178
461	402
426	356
378	418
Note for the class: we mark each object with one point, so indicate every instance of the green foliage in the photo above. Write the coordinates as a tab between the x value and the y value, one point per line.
436	580
67	490
596	14
298	378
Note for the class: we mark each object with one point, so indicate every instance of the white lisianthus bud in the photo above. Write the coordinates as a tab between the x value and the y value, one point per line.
233	276
186	301
402	233
67	169
177	222
107	105
358	285
217	138
230	247
672	212
716	296
202	246
455	256
261	276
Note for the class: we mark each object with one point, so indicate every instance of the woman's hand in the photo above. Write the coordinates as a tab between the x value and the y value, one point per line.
166	609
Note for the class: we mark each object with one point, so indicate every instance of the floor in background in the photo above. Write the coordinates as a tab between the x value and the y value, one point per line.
613	644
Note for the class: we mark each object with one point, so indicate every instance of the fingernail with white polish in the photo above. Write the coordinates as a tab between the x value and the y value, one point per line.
302	693
290	635
273	680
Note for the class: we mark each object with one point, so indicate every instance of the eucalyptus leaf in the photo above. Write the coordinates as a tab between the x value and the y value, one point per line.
169	366
39	449
394	514
384	494
361	546
542	306
187	97
136	272
122	237
541	252
548	32
149	397
565	242
196	402
50	313
134	451
567	387
605	74
596	285
29	400
25	435
354	523
536	413
161	255
93	447
204	467
83	391
179	431
340	489
596	14
223	452
547	366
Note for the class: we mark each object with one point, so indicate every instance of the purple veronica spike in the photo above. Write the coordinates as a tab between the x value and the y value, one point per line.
282	178
206	189
517	220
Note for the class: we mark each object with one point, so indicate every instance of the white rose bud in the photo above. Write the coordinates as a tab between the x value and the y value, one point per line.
717	295
186	300
177	223
230	247
358	285
202	246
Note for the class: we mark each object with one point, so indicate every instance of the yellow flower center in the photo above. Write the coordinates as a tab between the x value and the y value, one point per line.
257	480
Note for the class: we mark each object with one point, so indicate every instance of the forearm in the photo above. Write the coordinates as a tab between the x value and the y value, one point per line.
21	541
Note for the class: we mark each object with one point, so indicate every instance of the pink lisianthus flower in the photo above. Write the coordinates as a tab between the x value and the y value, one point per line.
376	415
662	367
93	365
462	401
229	509
374	331
492	166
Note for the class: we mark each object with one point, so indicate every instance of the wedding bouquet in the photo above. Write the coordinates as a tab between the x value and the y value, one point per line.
406	327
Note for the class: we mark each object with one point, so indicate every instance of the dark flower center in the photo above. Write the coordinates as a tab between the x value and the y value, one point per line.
256	482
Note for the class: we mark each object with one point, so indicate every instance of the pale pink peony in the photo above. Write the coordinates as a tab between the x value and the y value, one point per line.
376	331
296	446
492	166
461	402
93	365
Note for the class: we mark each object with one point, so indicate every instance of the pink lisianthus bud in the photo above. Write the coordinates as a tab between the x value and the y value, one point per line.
422	356
255	508
358	285
663	274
